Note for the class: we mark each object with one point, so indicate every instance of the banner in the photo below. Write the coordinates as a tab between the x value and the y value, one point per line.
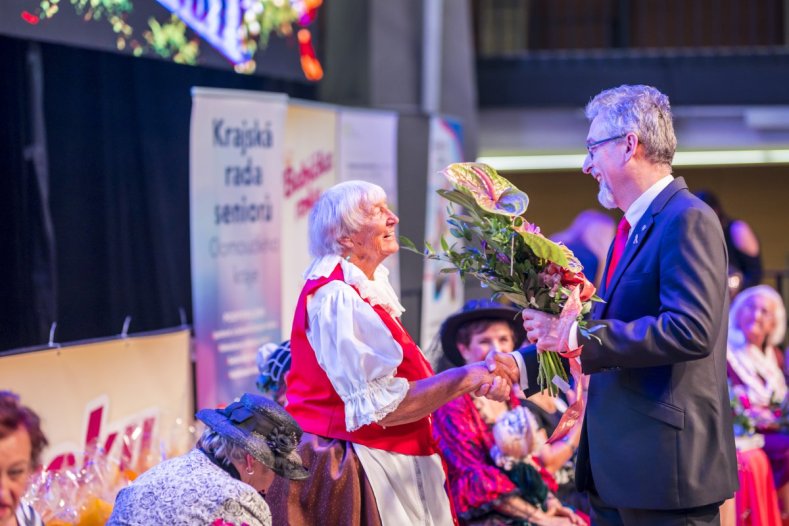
367	150
309	168
130	396
237	140
442	294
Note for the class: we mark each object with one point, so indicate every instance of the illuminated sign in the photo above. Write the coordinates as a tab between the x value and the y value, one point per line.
217	21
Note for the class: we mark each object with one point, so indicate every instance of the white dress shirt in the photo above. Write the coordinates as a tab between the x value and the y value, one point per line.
633	215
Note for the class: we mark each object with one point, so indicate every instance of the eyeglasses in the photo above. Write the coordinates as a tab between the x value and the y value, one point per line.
592	146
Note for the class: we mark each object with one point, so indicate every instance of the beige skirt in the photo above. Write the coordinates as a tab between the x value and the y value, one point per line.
336	492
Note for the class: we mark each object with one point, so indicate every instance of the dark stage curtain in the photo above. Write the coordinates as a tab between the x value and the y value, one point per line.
117	132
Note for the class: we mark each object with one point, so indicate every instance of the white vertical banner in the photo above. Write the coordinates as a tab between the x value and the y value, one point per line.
309	169
442	294
367	150
235	167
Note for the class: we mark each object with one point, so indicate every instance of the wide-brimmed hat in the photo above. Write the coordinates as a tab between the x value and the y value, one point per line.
475	310
264	429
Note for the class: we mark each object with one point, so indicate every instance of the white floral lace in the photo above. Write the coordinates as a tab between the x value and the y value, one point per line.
380	388
377	291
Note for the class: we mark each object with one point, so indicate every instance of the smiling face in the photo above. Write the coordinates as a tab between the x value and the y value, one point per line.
15	471
756	319
600	162
375	240
497	335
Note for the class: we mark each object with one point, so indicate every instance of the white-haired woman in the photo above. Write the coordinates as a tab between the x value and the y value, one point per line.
223	480
757	325
359	386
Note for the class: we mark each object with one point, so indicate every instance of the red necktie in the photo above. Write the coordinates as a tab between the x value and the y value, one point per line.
619	246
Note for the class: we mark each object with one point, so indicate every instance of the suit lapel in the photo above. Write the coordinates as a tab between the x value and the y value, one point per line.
638	238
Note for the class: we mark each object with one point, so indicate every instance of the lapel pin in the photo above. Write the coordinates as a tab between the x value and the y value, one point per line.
635	240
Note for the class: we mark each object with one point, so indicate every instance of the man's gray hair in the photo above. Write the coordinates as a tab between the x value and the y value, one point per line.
222	448
340	211
642	110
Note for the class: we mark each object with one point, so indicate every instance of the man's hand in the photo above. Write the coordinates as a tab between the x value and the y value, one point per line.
503	364
548	331
488	384
499	389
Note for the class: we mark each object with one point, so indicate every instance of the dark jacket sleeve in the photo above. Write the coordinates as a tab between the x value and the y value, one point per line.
529	355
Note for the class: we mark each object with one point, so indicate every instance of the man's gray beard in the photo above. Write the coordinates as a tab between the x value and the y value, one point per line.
606	197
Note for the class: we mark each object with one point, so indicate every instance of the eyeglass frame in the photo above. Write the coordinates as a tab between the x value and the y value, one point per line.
590	147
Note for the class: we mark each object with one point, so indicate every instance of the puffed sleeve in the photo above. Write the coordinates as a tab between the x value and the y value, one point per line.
358	353
476	485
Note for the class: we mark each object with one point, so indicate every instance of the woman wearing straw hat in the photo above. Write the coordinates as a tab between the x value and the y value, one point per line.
224	478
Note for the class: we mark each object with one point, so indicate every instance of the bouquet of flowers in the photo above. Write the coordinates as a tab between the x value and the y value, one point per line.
495	244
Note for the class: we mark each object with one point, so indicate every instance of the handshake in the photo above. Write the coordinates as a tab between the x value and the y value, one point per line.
495	376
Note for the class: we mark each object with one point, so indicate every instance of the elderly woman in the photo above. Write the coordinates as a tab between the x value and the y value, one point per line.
224	478
757	324
359	385
483	493
21	443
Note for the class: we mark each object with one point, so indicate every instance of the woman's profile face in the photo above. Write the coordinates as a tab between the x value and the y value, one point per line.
15	471
377	238
756	319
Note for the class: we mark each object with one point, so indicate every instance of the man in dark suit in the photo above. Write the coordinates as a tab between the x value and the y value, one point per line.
657	446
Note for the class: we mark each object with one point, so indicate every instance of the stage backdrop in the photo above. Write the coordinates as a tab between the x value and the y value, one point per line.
132	396
236	187
309	168
367	150
442	294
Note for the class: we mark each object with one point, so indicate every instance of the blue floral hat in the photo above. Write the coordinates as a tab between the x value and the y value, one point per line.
262	428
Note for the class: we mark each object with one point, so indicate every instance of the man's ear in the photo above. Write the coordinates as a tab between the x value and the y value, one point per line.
632	142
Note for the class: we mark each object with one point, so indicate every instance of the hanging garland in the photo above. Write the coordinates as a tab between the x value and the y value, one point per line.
169	39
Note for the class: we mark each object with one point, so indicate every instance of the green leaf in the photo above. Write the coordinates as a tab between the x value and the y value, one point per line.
429	247
444	245
515	298
544	248
408	244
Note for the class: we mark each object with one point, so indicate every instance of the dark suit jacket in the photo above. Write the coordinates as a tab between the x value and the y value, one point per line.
658	430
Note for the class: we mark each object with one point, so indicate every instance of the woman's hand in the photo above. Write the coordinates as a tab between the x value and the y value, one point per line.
557	509
484	383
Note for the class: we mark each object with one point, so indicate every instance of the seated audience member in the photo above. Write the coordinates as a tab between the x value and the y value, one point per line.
745	261
559	458
482	493
224	478
757	324
589	237
21	443
273	363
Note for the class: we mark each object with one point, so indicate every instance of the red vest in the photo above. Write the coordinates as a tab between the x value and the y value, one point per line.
316	406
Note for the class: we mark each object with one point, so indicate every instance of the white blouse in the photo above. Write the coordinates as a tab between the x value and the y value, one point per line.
351	342
759	371
356	350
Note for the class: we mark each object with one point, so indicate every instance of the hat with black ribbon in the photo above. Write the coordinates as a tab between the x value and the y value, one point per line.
263	429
